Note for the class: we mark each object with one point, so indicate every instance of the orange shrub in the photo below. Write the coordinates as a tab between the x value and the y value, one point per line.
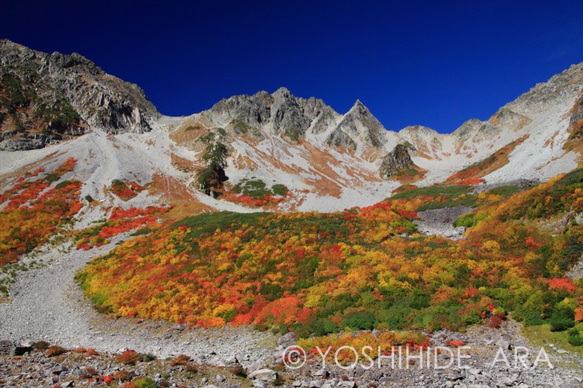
129	357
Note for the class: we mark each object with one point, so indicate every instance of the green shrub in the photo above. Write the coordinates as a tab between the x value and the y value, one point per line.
470	219
240	126
529	317
148	357
208	138
52	177
452	191
359	320
576	340
575	337
279	189
145	382
562	318
63	184
561	324
323	327
506	191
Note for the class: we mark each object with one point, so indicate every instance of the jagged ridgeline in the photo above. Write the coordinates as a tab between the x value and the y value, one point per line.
50	97
281	113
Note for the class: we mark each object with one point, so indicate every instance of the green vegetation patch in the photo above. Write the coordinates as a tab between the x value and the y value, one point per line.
439	197
257	189
240	126
208	223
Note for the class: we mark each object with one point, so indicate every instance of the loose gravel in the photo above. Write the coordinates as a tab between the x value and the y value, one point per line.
46	304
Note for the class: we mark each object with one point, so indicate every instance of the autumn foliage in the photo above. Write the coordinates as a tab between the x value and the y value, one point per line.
125	190
364	267
383	343
128	357
120	221
35	208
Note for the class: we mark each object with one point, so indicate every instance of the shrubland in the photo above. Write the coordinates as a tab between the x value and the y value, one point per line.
358	269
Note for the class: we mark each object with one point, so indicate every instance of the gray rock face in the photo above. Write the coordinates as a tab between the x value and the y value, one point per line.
289	116
440	221
466	130
423	138
558	88
266	374
279	113
253	110
359	123
396	160
46	98
476	131
339	138
282	113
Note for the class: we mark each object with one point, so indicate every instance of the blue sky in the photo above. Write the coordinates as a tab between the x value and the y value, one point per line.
433	63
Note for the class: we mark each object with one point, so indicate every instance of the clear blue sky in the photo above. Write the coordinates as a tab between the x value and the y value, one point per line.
433	63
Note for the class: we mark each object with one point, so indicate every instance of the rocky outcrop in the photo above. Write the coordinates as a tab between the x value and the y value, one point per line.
396	161
254	110
45	98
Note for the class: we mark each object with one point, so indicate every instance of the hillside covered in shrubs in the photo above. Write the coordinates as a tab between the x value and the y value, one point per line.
361	268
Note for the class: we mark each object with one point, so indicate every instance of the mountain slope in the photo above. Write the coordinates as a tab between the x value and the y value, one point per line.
50	97
325	160
543	115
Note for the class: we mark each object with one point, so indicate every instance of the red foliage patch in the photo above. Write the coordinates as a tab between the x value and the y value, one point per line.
561	283
120	221
35	210
125	190
254	202
455	343
128	357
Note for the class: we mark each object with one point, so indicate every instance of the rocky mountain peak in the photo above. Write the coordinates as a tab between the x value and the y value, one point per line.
360	111
283	93
358	125
288	115
418	130
281	113
51	97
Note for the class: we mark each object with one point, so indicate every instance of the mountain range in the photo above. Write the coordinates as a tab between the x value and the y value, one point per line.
123	228
55	106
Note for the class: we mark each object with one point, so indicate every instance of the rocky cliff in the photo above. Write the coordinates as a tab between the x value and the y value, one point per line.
396	161
46	98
